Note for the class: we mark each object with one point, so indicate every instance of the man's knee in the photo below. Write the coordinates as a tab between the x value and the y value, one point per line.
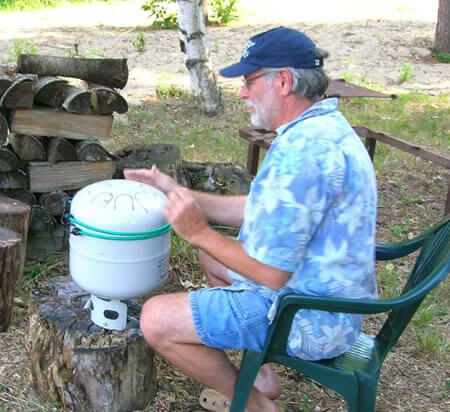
151	325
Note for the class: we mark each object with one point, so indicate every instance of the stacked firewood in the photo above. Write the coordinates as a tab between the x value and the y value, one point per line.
54	111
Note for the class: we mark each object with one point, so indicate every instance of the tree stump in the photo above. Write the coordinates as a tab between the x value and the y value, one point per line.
81	365
14	215
10	254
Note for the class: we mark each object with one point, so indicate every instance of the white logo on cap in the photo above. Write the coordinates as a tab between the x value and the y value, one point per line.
250	43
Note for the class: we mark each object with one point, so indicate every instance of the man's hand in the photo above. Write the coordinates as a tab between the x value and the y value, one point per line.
184	215
152	177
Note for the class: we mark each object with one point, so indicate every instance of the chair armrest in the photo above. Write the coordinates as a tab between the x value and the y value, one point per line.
389	251
365	306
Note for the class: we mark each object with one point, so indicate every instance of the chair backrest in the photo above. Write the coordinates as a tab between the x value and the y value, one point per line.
432	262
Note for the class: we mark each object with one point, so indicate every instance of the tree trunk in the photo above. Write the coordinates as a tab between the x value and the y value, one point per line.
50	91
60	150
28	148
10	249
109	72
8	160
85	367
191	29
442	36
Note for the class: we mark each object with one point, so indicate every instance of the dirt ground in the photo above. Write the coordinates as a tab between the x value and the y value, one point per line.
369	39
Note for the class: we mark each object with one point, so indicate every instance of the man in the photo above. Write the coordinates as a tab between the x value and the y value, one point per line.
307	227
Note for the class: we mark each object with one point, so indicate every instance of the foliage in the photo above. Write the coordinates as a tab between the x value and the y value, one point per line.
12	5
139	42
159	10
406	72
223	12
21	47
443	57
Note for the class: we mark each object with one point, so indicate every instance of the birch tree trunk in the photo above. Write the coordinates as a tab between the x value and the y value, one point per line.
191	29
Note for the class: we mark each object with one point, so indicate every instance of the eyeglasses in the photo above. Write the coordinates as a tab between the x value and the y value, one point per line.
248	82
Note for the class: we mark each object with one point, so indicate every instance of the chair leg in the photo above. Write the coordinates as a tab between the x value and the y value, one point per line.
251	362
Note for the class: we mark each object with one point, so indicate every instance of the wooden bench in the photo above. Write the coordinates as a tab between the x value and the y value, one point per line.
259	138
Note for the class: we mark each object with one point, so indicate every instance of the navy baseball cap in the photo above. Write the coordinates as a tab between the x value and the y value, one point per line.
279	47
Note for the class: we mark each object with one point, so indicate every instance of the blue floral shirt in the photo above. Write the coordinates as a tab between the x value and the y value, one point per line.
311	211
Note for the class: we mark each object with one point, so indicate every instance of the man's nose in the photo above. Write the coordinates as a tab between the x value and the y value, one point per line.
243	93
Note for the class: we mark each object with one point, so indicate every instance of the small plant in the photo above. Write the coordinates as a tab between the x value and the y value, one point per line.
139	42
159	9
305	404
95	53
163	90
21	47
406	72
399	230
443	57
389	281
224	11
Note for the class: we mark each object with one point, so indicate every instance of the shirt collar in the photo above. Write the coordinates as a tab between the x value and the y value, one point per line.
319	108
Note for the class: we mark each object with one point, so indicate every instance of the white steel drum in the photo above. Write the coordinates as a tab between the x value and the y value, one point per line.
122	247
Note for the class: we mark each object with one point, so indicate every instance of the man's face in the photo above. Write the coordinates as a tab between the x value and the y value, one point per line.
260	97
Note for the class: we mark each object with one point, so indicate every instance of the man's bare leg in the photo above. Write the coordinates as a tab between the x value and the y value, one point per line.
167	325
267	381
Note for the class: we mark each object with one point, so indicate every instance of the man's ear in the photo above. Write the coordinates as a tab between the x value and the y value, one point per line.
285	79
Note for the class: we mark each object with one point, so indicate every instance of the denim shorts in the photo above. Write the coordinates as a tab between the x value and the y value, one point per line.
230	319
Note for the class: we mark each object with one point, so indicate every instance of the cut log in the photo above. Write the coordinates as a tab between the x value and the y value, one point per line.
48	122
105	100
45	177
28	147
55	202
77	100
10	249
60	150
165	156
50	91
223	178
8	160
91	151
46	242
5	83
13	180
19	94
25	196
14	216
79	364
4	129
109	72
41	219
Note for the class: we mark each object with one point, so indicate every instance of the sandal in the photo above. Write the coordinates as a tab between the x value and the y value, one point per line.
211	400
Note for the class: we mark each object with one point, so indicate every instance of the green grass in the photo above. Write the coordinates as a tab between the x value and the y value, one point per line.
22	5
21	47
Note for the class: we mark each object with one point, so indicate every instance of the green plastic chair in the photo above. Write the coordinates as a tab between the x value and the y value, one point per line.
354	375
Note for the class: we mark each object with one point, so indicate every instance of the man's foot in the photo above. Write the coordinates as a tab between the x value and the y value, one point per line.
268	382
